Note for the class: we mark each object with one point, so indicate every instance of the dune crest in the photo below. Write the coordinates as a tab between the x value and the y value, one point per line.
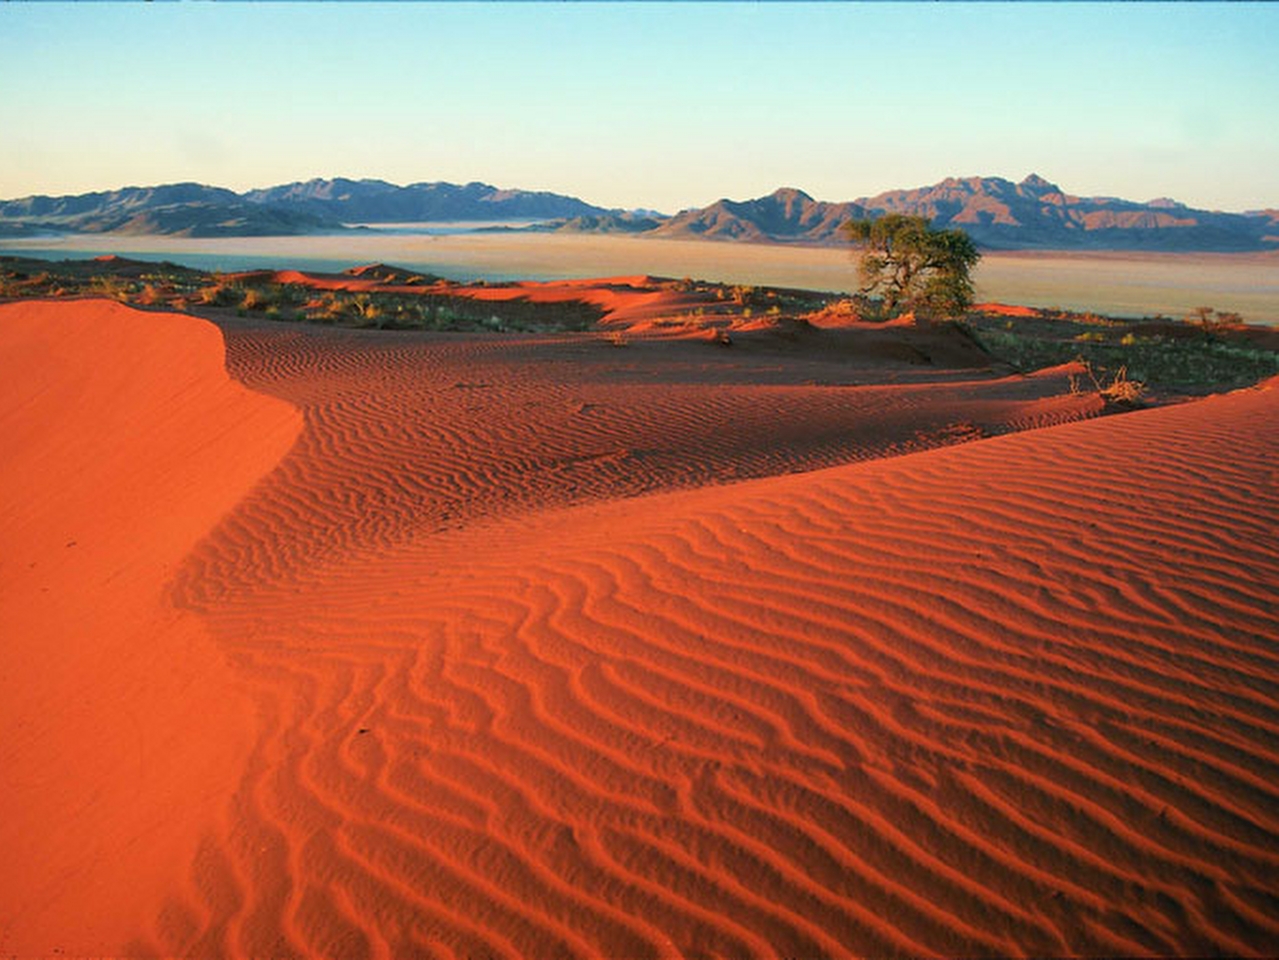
125	442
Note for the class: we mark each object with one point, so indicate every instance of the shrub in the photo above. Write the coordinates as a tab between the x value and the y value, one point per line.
222	295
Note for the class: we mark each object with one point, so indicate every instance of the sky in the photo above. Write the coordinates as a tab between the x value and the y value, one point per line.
662	106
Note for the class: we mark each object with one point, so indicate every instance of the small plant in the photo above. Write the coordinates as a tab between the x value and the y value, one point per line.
366	309
222	295
111	287
1121	391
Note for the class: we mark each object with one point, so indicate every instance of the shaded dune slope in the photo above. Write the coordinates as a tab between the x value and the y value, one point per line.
1015	696
124	443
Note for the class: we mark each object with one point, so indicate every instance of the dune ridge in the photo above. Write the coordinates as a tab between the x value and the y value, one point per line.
1008	697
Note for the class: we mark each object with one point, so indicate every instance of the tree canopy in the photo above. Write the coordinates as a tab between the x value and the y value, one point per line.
914	267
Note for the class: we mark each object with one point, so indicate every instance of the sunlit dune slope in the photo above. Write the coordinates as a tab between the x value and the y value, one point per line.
124	442
1016	696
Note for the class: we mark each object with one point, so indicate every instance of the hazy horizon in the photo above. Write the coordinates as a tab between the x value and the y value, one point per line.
661	106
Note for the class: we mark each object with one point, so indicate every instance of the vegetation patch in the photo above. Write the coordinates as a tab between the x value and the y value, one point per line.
1167	355
414	302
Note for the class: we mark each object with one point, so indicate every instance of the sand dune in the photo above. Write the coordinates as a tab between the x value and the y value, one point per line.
124	443
555	649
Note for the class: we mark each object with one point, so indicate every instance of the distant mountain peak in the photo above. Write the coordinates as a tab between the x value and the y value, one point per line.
1036	184
790	193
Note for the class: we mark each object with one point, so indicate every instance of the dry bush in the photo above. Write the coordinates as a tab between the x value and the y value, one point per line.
221	295
1123	391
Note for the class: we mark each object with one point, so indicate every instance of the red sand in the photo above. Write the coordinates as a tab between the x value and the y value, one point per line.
530	677
1006	310
124	443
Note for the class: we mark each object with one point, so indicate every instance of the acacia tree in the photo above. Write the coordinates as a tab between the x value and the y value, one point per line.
914	267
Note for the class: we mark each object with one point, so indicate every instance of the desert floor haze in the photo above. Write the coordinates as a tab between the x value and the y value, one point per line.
657	639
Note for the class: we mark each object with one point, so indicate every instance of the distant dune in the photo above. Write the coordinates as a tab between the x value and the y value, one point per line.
546	647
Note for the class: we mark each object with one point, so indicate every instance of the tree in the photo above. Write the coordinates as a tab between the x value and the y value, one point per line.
1202	316
914	267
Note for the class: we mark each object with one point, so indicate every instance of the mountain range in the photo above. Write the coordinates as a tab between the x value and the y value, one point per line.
316	206
997	213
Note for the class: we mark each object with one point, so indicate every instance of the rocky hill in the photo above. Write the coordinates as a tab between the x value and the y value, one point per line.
997	213
786	215
376	201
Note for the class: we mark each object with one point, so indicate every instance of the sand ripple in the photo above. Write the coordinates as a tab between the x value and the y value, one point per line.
1007	697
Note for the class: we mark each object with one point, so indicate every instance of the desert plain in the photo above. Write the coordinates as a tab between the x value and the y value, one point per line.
1122	283
663	638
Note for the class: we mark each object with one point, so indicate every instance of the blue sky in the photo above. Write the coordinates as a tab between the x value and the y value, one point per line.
646	104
